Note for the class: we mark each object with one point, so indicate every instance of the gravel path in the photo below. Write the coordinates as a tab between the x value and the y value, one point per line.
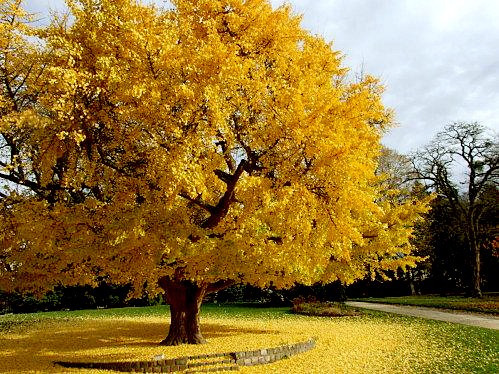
430	313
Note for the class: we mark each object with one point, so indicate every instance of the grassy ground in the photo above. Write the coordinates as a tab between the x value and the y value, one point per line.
371	343
487	304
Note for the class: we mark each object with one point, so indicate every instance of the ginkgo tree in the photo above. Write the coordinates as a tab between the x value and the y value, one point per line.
187	149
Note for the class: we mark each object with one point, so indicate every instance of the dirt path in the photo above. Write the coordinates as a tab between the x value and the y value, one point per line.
430	313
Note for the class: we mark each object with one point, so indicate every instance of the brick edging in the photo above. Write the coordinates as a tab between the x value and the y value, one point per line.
265	356
241	358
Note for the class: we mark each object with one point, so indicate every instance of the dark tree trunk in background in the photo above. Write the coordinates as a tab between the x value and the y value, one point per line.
476	279
477	288
185	299
474	253
412	283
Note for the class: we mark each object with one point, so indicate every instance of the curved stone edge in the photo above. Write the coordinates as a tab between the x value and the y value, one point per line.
241	358
268	355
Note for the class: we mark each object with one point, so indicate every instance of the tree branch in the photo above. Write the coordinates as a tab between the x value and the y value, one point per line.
197	201
22	182
221	209
229	160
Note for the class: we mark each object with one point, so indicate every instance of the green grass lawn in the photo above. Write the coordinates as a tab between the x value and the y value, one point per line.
487	304
373	342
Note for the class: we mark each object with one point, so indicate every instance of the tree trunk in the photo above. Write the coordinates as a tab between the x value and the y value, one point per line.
412	284
476	290
413	288
185	299
474	247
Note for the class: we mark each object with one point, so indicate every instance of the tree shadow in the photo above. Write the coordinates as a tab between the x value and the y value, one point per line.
37	348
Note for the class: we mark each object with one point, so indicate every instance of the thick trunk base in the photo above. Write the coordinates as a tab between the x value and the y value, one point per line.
477	293
185	299
173	339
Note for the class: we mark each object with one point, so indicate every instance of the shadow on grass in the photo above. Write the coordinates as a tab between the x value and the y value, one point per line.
38	347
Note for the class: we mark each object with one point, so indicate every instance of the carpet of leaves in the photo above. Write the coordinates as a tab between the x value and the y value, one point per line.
372	343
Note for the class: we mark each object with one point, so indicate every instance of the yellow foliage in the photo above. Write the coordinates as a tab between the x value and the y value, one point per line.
217	138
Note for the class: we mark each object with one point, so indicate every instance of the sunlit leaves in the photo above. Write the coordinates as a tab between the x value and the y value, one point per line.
140	121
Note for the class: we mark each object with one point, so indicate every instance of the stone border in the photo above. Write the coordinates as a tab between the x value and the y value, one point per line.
233	359
265	356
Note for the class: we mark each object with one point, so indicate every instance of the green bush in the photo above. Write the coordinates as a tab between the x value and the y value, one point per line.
312	307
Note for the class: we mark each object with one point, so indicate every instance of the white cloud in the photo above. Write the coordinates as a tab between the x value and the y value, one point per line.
439	59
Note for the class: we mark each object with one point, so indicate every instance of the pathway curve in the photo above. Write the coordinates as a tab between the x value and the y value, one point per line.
430	313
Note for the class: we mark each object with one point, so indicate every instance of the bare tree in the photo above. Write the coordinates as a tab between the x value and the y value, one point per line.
463	146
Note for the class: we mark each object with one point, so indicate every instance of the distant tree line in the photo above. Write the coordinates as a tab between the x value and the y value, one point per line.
460	236
74	298
114	296
447	268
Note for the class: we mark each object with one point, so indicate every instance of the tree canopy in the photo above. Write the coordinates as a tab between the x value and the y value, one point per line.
211	143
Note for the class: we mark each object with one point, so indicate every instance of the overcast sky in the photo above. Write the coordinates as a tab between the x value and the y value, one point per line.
439	59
